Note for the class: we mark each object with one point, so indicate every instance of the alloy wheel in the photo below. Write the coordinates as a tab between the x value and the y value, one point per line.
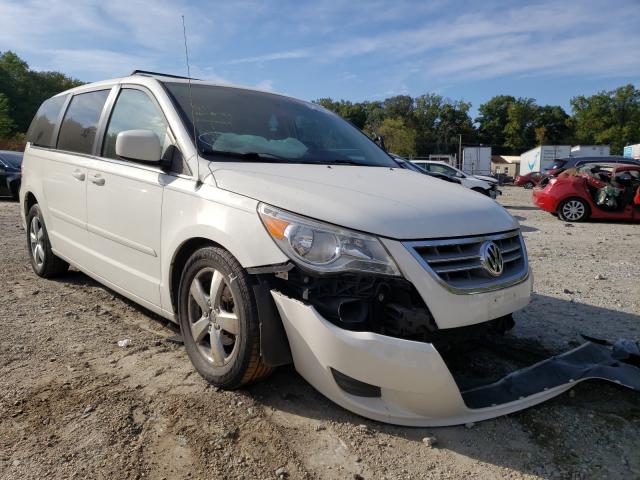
36	241
213	318
573	210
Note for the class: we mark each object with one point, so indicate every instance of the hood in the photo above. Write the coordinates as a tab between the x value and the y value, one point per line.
394	203
486	179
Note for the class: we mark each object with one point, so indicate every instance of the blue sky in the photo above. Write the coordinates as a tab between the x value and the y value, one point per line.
356	50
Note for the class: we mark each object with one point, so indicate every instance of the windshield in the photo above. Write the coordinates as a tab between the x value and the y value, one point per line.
12	159
556	164
244	125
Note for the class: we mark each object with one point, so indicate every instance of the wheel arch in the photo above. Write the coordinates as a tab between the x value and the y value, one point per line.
274	344
29	201
180	257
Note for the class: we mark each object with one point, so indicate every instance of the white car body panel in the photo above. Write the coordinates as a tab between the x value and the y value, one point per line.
65	200
416	385
124	211
223	217
394	203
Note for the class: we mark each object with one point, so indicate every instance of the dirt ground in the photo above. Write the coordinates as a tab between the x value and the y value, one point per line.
74	404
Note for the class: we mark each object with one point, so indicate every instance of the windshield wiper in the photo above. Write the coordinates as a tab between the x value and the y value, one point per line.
249	156
339	161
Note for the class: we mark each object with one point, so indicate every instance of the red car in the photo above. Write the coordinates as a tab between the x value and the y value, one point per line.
606	191
528	180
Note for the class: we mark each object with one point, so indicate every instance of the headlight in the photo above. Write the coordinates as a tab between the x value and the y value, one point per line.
325	248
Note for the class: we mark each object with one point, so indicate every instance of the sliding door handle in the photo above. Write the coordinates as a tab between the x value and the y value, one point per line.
97	179
78	175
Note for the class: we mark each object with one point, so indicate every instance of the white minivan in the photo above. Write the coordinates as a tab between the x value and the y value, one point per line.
273	232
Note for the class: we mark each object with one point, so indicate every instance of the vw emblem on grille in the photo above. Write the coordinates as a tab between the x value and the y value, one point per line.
491	259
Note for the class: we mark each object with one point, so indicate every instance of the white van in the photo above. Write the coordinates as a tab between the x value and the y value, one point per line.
272	231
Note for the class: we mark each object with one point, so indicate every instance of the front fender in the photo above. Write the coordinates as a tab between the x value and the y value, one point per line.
225	218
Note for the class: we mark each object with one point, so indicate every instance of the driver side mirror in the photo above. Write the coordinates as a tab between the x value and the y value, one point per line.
139	146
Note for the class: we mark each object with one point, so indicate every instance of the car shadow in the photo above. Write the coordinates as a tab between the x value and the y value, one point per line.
523	227
520	207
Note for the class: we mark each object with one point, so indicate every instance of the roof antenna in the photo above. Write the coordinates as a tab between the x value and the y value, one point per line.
193	116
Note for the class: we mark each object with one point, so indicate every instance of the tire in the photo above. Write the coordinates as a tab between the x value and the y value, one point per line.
573	210
43	261
223	343
528	185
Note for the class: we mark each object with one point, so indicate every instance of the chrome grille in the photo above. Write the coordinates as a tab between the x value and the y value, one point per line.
457	264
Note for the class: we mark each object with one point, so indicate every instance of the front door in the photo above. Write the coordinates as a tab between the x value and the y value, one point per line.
124	203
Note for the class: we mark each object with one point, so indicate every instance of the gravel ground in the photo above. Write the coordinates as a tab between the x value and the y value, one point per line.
73	404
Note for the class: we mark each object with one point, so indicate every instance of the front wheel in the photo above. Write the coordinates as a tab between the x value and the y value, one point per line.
219	319
573	210
528	185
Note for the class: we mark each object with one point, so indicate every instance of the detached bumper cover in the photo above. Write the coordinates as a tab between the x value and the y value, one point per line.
416	387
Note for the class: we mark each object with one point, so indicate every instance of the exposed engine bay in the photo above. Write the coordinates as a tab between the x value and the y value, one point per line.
384	305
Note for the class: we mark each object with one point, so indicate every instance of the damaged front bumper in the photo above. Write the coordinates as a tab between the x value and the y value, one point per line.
407	382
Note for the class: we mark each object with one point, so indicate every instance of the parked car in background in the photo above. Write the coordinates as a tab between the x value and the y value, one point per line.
603	190
561	164
528	180
404	163
479	183
273	231
10	173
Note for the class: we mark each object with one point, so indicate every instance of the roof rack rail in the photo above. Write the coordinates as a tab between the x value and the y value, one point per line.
158	74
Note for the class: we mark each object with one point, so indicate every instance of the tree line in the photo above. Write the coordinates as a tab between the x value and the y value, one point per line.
411	126
22	90
430	123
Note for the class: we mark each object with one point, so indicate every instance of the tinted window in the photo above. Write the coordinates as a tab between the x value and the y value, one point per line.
41	129
134	110
78	130
239	121
12	159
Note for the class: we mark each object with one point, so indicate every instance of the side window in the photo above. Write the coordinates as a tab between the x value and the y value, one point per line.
134	110
78	129
40	131
437	168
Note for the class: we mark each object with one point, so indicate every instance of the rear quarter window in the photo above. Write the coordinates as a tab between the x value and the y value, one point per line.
43	125
80	123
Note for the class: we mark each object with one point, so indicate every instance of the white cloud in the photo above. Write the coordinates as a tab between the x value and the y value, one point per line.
286	55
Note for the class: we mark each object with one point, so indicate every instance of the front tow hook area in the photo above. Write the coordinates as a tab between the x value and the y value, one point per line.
617	362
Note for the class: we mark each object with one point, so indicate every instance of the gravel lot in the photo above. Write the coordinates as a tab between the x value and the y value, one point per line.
73	404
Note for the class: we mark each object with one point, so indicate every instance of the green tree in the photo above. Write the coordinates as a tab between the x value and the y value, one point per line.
356	113
493	119
519	131
552	126
398	137
611	118
27	89
6	122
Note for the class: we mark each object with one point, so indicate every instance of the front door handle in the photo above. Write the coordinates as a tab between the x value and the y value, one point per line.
78	175
97	179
